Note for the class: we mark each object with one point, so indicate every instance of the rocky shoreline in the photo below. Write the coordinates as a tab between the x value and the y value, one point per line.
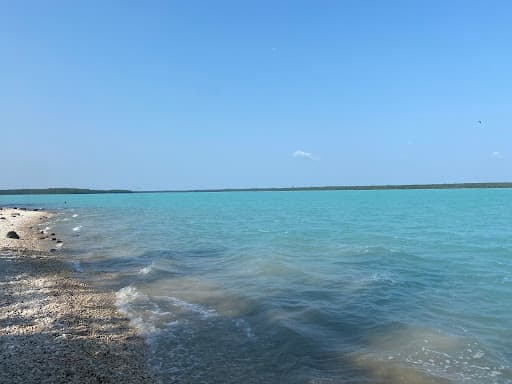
55	328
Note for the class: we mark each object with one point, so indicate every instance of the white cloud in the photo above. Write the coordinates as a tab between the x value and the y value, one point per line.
301	153
497	155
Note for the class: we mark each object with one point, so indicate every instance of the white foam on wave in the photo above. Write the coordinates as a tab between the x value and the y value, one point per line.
75	215
77	228
144	314
244	325
203	312
147	269
434	352
126	296
382	277
172	323
145	328
126	299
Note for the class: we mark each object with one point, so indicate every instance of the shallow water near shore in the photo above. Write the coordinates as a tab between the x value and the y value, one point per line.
304	287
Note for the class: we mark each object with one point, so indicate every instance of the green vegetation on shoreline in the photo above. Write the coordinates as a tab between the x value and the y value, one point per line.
55	191
59	191
359	187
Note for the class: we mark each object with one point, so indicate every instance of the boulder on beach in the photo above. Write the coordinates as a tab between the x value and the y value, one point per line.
12	235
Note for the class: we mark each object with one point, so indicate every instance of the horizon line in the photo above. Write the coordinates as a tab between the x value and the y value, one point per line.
71	190
499	184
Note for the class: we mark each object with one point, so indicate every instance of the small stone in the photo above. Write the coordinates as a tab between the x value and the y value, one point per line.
12	235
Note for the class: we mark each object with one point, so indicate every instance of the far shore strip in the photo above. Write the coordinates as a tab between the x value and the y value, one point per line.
55	328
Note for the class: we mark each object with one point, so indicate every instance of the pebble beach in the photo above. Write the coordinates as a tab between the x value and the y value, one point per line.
54	328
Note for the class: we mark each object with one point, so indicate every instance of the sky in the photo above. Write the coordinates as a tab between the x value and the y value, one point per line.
188	94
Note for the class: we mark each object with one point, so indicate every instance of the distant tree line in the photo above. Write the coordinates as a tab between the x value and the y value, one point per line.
59	191
55	191
358	187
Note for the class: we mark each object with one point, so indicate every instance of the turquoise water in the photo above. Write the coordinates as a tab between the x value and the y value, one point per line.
304	287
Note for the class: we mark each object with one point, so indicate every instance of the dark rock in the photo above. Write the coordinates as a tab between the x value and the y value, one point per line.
53	250
41	232
54	238
52	234
12	235
2	218
59	241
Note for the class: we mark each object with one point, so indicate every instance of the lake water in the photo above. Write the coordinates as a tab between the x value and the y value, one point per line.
403	286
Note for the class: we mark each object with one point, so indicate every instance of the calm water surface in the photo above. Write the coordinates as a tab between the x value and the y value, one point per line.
304	287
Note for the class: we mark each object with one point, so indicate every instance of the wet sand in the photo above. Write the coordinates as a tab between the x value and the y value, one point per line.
53	327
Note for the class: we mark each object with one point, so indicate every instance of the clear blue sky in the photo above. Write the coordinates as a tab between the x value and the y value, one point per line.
207	94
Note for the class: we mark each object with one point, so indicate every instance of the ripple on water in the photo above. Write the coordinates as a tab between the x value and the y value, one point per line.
430	352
